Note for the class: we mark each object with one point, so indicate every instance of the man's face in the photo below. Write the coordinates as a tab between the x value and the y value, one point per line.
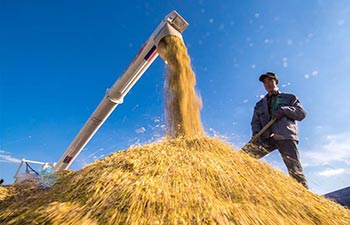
270	85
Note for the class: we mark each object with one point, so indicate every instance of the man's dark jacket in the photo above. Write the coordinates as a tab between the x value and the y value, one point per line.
285	128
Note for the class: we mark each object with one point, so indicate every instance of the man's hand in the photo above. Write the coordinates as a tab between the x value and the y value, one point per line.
279	113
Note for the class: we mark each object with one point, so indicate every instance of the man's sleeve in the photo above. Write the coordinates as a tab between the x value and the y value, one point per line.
255	124
295	110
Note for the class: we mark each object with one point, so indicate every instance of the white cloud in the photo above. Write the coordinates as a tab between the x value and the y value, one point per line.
140	130
94	153
277	164
331	172
335	148
5	157
285	85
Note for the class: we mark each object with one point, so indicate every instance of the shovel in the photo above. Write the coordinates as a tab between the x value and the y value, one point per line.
252	148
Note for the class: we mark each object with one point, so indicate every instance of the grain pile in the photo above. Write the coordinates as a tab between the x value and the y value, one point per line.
4	193
180	181
186	179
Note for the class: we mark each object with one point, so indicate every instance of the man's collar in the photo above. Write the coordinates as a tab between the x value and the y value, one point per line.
274	93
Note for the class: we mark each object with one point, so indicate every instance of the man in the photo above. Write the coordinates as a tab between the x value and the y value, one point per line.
283	133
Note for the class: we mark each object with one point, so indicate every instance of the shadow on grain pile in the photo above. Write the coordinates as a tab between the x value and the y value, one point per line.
187	179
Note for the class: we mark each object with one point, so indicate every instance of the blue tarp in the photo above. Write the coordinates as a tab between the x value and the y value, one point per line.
341	196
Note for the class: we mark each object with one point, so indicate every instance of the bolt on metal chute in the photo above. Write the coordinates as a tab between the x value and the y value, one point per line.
173	24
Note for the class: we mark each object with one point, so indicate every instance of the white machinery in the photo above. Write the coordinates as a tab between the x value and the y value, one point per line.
173	24
31	172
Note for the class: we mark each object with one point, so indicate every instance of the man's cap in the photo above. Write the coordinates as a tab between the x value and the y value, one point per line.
270	75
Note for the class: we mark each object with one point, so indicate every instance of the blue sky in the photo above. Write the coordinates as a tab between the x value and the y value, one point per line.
57	58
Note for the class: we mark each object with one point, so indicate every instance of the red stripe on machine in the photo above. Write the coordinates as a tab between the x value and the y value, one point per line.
67	159
143	46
